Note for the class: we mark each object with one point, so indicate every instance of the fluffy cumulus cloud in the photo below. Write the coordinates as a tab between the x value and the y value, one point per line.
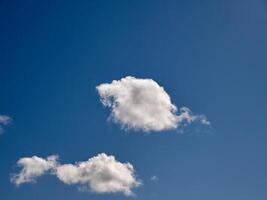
142	104
101	174
33	167
4	120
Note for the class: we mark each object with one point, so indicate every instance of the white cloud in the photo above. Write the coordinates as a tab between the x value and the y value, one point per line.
154	178
4	120
101	174
33	167
142	104
187	115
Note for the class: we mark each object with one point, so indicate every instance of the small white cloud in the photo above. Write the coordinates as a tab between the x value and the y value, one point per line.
33	167
101	174
154	178
4	120
142	104
187	116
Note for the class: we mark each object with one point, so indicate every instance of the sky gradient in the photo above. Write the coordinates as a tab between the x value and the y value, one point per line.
209	56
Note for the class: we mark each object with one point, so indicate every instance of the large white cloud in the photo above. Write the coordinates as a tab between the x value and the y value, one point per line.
142	104
33	167
101	174
4	120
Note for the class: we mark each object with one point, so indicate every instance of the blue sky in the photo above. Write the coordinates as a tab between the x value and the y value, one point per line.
209	56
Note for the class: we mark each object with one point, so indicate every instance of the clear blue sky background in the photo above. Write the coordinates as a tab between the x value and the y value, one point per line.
209	55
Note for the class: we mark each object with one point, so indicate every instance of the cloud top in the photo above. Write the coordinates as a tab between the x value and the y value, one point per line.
142	104
101	174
